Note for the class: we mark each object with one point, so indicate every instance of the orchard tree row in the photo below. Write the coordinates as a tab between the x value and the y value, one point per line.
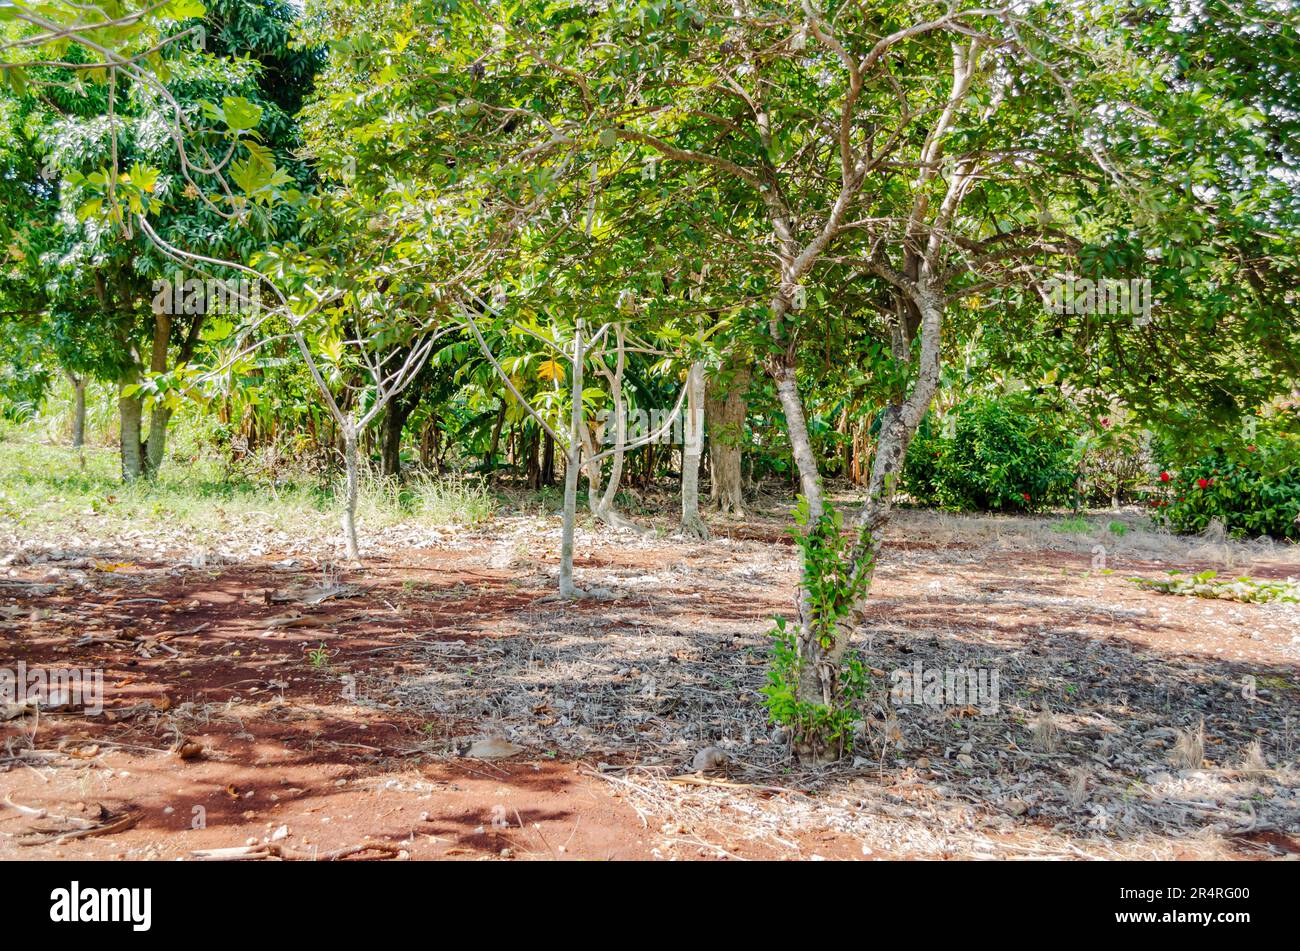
606	242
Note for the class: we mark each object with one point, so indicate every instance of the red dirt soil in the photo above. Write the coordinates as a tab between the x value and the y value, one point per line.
286	758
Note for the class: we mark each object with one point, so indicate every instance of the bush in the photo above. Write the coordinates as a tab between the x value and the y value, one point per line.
1007	454
1114	464
1252	492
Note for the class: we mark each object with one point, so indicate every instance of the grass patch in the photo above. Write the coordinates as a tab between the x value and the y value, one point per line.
48	486
1078	525
1072	526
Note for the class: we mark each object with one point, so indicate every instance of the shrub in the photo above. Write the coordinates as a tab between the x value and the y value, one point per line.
1207	585
1114	465
1256	494
1006	454
1249	484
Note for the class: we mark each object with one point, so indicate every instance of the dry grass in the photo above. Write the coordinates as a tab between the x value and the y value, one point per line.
1189	747
1140	541
1046	732
1253	762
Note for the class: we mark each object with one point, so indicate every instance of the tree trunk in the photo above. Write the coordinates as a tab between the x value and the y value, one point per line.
809	478
155	446
78	411
692	449
532	470
860	465
429	456
572	462
820	664
846	443
131	412
390	446
818	667
548	460
602	504
350	508
724	413
496	440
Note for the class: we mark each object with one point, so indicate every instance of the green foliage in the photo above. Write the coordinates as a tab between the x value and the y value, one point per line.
1007	454
1113	462
1206	585
832	582
24	371
1251	491
1072	526
832	585
834	723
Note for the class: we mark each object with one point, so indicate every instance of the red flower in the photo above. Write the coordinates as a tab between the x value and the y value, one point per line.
1202	483
1025	495
1165	477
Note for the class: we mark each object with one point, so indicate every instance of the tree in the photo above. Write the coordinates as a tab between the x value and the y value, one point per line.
863	168
121	143
724	414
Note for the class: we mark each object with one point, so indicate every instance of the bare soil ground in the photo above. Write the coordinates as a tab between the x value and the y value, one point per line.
438	701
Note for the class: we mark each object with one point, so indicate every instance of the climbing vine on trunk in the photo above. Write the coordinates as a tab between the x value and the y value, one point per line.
812	661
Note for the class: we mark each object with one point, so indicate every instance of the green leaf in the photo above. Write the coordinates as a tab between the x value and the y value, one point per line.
240	114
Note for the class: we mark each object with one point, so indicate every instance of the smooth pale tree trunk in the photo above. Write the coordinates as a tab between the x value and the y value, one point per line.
692	449
787	392
155	446
131	413
602	504
572	462
78	410
818	674
820	665
724	414
350	506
